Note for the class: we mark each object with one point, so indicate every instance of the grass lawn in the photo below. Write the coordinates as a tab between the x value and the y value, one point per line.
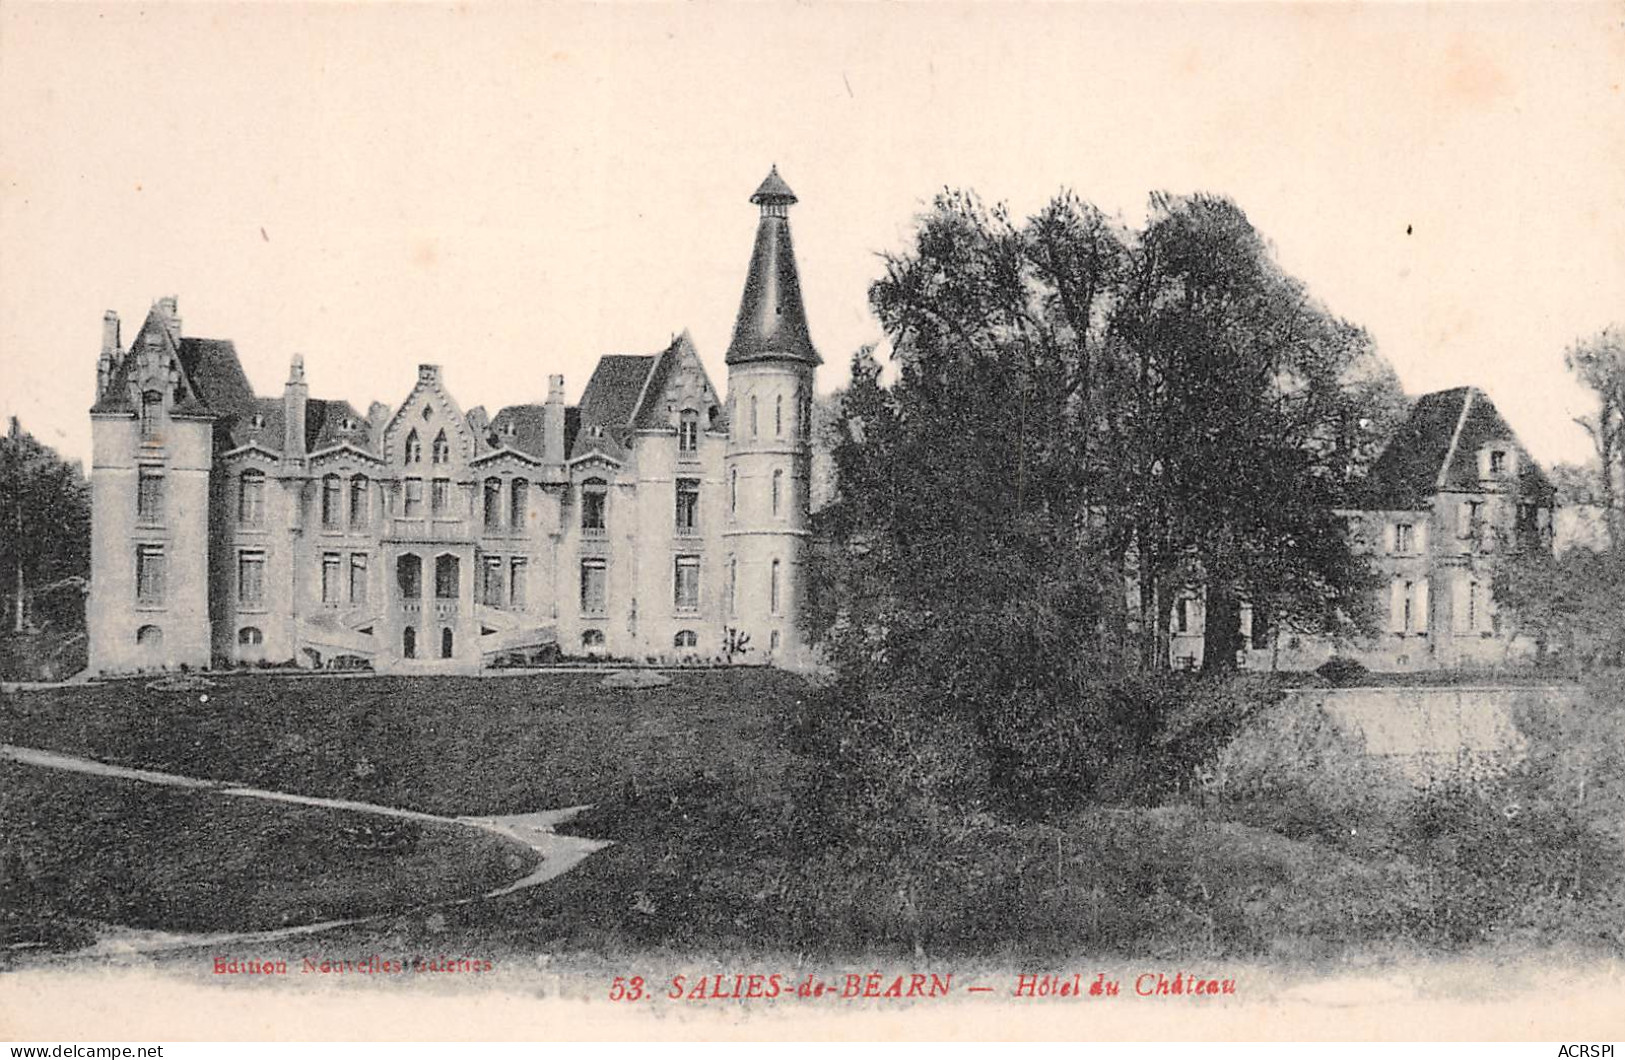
442	745
76	847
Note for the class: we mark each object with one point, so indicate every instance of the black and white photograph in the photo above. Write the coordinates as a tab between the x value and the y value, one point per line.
811	521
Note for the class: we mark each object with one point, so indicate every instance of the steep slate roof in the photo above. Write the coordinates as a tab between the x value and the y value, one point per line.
527	436
1444	425
772	323
324	426
612	393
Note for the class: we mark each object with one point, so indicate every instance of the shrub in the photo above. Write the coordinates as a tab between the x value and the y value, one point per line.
1342	671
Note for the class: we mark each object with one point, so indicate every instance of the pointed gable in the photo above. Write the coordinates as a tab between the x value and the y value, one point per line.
153	362
430	396
677	381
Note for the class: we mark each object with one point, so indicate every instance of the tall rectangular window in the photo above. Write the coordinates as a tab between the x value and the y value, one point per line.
778	491
518	569
733	584
686	583
358	501
332	588
1404	538
688	433
149	503
251	498
440	496
594	586
152	409
773	591
594	500
492	490
518	504
251	579
332	503
491	581
413	498
151	575
358	577
688	505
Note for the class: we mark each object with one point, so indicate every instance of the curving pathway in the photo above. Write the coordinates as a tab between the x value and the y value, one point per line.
559	853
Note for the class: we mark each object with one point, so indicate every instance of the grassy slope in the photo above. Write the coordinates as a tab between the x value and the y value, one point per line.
76	847
442	745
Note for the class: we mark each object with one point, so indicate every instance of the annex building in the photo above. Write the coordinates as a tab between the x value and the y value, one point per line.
1451	496
655	519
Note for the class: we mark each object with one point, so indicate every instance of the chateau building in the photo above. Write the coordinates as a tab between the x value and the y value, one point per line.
652	520
1452	494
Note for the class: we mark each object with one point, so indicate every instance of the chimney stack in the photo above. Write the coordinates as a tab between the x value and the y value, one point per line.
294	396
110	353
169	307
553	421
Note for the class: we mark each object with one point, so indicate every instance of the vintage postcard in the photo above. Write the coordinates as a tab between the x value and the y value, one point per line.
821	521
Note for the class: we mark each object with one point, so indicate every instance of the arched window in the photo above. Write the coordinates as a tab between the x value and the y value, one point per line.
442	448
251	497
493	503
250	635
409	643
332	503
592	638
447	577
685	639
149	637
688	432
414	447
594	502
409	576
773	589
358	500
518	502
152	408
445	642
753	431
778	489
778	416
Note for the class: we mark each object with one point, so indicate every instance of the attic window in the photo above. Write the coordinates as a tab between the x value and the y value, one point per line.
256	421
507	428
349	423
426	412
1498	462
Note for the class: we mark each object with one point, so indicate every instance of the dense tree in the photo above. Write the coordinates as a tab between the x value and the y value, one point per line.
1081	409
45	510
1598	363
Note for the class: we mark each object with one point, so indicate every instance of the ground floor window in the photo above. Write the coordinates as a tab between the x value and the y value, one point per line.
251	579
518	568
250	635
773	641
594	586
151	575
409	576
592	638
409	643
150	638
686	583
491	581
445	643
330	579
685	639
447	578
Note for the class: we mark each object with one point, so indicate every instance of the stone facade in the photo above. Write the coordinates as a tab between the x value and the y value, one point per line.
652	520
1452	494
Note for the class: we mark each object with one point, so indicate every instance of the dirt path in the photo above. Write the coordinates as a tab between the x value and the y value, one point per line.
559	853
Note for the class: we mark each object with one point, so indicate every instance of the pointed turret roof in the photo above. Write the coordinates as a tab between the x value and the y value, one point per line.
772	324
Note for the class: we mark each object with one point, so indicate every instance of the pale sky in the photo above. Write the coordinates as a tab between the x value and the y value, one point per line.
515	190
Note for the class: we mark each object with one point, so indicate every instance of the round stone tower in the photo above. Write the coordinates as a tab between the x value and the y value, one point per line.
770	385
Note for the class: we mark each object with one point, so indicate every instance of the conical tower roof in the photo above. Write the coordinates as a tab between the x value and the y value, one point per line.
772	324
